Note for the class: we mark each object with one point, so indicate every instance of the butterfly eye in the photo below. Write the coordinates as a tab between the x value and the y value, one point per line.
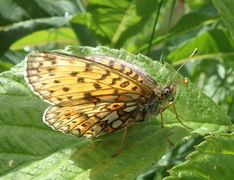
166	93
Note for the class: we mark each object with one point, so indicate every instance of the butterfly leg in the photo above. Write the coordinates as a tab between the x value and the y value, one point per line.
177	117
162	121
162	126
123	141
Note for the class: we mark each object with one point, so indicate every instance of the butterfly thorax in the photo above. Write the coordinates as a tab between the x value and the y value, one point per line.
166	93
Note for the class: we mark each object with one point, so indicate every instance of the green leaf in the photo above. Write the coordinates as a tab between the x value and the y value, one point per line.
31	16
225	8
212	160
116	22
12	33
63	35
220	46
183	31
29	149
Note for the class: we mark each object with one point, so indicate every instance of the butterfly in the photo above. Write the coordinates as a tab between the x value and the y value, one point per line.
95	95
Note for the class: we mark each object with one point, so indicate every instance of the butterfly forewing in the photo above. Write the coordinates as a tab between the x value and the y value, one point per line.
90	96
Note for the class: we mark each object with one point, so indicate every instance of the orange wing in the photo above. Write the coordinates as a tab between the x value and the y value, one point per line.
89	96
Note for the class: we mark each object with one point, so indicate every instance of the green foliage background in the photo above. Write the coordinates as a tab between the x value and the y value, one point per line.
31	150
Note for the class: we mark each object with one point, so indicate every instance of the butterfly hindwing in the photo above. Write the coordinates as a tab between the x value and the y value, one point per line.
91	119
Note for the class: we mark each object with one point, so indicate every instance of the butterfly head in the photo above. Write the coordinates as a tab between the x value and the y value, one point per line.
168	92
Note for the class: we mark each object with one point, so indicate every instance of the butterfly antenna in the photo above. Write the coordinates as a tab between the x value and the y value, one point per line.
194	52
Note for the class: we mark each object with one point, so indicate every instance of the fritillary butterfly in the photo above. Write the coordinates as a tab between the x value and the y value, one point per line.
94	95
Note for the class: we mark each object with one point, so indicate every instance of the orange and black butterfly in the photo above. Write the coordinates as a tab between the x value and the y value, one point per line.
94	95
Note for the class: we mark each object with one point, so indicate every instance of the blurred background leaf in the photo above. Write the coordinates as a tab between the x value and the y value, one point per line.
225	8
